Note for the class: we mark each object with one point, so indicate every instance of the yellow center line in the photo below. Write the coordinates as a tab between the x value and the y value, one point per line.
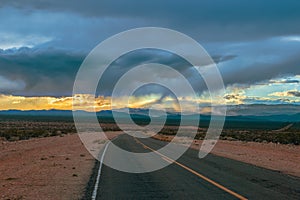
166	158
169	161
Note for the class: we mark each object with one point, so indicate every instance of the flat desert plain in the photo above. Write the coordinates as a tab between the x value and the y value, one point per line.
45	168
60	167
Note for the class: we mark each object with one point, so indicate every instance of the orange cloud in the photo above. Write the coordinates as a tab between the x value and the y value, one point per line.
78	102
90	103
291	93
9	102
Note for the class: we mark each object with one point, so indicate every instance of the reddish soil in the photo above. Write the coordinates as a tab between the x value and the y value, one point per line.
45	168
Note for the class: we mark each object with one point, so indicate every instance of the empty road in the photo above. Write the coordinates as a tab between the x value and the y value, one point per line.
189	178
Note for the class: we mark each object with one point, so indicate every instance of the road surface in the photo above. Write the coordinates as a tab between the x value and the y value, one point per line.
189	178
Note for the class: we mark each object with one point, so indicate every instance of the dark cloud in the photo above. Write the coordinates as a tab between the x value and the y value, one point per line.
43	72
294	93
284	81
52	72
10	85
232	97
205	19
219	58
146	56
263	109
261	71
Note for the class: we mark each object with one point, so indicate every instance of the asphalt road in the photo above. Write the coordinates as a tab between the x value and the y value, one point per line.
189	178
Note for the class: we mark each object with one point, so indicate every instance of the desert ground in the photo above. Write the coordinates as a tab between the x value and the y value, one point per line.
59	167
56	167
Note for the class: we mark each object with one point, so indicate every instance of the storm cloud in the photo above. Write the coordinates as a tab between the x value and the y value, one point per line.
45	42
52	72
294	93
204	20
42	72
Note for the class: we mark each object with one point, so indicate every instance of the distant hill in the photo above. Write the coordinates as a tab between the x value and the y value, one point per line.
277	118
37	112
144	114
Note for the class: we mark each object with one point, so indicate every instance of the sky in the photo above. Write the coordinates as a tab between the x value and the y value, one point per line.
255	44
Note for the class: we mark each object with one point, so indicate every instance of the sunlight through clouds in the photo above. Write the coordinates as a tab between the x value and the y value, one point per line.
13	40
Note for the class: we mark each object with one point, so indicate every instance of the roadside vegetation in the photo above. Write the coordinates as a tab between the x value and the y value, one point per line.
13	129
284	136
21	129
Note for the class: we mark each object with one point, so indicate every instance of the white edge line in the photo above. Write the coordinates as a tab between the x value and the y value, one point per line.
94	195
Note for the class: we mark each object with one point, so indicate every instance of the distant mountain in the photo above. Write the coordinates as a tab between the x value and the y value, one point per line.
37	112
279	118
144	114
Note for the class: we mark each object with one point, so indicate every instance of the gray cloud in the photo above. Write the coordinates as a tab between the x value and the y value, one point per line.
52	72
257	72
219	58
263	109
44	72
294	93
10	85
232	97
75	27
284	81
204	20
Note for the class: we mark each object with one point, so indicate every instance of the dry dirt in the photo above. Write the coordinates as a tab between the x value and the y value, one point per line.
45	168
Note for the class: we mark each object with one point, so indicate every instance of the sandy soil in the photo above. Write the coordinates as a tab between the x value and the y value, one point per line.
279	157
45	168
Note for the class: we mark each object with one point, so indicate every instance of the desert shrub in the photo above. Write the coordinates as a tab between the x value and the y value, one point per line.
264	136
